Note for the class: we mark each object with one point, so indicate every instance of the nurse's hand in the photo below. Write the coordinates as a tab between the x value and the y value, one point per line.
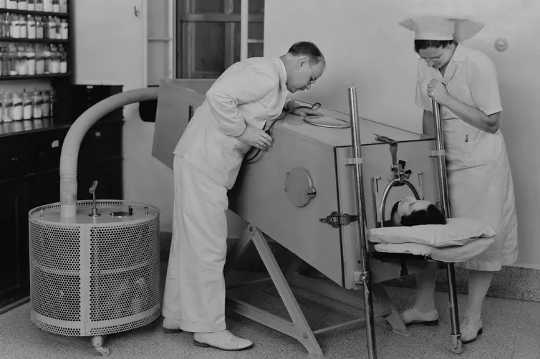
256	138
437	90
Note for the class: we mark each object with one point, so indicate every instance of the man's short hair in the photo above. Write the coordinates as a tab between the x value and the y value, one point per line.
307	48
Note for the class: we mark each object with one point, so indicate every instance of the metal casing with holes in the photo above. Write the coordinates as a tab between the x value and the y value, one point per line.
94	276
260	198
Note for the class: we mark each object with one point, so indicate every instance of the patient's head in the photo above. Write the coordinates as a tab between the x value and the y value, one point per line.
411	212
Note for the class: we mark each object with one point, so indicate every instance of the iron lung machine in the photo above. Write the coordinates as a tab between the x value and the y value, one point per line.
300	193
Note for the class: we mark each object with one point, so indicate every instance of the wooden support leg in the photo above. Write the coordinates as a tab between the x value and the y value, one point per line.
298	327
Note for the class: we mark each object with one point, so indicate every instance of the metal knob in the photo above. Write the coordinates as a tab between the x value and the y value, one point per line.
92	191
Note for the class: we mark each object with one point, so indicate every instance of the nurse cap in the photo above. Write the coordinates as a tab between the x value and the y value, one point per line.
429	27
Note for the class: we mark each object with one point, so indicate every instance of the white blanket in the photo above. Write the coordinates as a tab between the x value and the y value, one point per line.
454	254
457	232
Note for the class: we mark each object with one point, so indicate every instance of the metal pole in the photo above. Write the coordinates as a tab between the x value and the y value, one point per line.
361	223
244	19
447	209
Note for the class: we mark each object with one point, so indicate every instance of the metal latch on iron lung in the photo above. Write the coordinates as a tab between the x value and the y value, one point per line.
337	220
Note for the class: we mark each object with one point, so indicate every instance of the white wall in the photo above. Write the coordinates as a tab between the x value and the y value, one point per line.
111	49
366	48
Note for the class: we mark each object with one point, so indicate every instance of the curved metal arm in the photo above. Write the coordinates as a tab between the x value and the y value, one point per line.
75	135
394	183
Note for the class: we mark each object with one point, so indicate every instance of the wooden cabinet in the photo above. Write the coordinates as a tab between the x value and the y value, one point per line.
29	177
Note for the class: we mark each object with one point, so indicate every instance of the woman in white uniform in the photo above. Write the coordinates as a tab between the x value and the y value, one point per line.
207	159
464	82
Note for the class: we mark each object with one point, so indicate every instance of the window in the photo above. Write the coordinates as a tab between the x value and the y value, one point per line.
208	35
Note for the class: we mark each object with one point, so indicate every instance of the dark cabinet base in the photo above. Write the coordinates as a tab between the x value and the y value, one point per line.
32	179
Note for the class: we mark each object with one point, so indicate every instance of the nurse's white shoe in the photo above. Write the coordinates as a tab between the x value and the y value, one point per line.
414	316
223	340
470	330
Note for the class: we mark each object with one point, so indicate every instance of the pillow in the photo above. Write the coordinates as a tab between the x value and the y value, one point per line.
457	232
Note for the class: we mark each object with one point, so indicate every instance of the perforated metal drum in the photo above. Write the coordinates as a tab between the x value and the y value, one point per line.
94	275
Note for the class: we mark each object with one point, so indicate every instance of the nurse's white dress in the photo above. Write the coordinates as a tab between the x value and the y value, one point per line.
206	163
479	174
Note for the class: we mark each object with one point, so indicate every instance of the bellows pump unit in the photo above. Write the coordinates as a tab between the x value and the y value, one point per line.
94	264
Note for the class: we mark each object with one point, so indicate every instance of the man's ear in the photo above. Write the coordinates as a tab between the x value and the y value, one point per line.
302	61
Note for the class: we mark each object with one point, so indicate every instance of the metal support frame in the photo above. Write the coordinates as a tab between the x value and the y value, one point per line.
456	345
297	327
361	224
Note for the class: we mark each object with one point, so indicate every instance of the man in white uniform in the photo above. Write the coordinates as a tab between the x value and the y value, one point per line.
206	163
464	82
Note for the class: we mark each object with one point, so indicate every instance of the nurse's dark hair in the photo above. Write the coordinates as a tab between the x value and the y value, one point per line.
307	48
430	215
424	44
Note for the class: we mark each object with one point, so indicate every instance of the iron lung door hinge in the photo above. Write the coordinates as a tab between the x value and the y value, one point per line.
336	220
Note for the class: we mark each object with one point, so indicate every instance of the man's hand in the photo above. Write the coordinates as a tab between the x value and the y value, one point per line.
305	112
256	138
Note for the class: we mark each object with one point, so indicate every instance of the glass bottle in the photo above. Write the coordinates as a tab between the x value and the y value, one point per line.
31	27
52	100
22	5
3	4
63	61
39	28
2	58
3	32
40	61
11	4
31	5
14	30
12	60
27	106
1	106
47	5
21	61
7	104
63	6
22	27
55	6
51	28
45	105
30	60
16	107
39	5
64	29
36	104
46	61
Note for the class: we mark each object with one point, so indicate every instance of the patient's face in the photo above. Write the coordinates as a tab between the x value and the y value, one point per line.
407	206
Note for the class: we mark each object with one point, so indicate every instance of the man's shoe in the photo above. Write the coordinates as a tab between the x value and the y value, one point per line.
470	330
414	316
223	340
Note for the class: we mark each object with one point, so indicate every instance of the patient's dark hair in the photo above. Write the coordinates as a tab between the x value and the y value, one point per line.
430	215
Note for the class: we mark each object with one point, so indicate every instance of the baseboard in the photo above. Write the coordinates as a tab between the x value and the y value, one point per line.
511	282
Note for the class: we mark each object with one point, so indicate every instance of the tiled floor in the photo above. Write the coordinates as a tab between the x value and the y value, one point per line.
511	331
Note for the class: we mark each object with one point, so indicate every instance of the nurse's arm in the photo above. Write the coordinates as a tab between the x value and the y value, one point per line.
472	115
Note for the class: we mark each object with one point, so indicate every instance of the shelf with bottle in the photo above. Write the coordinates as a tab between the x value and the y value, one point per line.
22	61
43	7
25	110
19	27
